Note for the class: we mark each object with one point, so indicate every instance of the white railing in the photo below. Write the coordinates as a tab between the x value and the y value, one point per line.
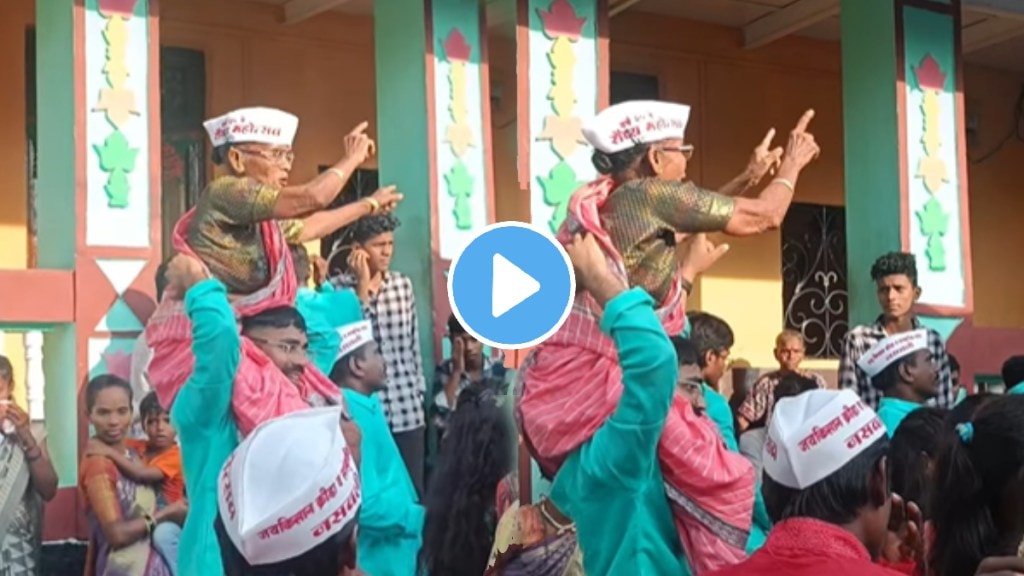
34	377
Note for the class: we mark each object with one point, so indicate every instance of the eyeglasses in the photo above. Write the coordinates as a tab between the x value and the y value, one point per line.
288	347
277	155
686	151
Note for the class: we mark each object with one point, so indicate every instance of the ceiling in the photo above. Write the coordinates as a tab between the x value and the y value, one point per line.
993	30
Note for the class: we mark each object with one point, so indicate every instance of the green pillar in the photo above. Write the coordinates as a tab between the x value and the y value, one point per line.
433	134
905	152
98	197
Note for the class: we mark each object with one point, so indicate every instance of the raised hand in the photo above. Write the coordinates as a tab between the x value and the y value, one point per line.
802	148
387	197
320	270
765	159
183	272
696	254
358	146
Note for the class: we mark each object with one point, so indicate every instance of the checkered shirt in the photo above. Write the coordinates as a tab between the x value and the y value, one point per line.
761	400
861	338
392	311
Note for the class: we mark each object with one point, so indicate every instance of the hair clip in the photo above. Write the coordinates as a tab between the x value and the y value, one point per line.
965	431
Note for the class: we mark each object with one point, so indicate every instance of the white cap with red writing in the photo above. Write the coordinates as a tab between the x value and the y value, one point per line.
354	336
257	125
624	125
289	486
891	349
816	433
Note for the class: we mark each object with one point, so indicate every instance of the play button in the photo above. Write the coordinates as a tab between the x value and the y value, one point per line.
512	286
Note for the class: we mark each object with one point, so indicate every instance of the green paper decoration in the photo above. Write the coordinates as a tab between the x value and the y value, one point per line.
460	187
934	223
558	186
117	158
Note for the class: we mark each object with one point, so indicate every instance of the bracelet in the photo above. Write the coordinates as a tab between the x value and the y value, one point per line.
374	205
686	285
785	182
337	172
150	523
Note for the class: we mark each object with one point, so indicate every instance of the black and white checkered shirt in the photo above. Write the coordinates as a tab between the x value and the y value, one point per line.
392	311
861	338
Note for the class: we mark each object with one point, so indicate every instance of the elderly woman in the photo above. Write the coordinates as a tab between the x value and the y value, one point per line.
27	479
240	229
637	211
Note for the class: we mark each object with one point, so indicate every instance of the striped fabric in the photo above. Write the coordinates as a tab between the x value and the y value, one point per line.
571	383
261	391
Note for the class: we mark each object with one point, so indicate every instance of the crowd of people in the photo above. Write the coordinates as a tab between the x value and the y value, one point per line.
275	421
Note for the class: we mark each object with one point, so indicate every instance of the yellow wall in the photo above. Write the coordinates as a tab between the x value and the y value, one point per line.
323	71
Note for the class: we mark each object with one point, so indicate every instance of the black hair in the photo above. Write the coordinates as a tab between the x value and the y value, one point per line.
890	376
616	163
893	264
300	261
1013	371
478	450
835	499
279	317
454	326
914	445
686	352
102	382
967	408
324	558
220	154
709	333
161	280
971	476
6	370
370	226
954	364
150	406
793	385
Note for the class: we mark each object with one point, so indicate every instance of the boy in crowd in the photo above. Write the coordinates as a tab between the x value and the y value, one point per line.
160	466
902	369
468	364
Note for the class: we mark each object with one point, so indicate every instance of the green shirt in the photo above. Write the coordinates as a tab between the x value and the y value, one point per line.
390	518
326	310
612	485
206	426
892	411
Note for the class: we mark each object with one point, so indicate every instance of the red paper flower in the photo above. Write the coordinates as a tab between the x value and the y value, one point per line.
929	75
560	20
456	49
123	8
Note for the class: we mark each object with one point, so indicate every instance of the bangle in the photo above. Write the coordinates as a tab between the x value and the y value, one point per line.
150	523
785	182
338	172
686	285
374	205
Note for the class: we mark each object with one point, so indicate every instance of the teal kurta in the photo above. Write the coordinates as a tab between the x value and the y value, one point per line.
612	485
206	427
892	411
720	413
390	519
325	310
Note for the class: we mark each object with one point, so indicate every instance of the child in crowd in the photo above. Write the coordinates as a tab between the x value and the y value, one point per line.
160	466
468	364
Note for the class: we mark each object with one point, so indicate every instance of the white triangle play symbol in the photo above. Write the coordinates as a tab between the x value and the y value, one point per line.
510	286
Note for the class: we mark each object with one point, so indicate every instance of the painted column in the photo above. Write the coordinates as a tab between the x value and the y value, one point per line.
98	193
562	50
563	79
434	142
906	169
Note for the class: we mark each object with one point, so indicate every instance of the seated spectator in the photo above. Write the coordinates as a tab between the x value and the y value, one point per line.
289	499
752	441
789	352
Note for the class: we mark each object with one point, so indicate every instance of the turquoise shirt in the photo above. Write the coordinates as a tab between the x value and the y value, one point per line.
892	411
206	426
1018	389
325	310
720	413
390	519
612	485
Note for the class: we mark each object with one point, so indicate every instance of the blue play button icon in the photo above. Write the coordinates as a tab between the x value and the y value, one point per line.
512	286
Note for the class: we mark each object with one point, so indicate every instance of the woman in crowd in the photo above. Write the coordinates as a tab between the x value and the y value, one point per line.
477	452
121	513
27	479
978	508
